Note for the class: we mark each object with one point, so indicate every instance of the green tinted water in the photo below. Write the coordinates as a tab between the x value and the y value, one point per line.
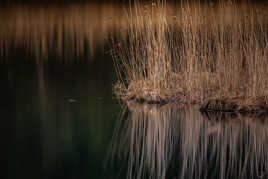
56	123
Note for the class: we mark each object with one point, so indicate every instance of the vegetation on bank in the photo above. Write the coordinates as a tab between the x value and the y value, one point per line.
195	53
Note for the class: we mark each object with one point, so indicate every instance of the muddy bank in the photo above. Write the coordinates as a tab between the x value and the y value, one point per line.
236	104
242	105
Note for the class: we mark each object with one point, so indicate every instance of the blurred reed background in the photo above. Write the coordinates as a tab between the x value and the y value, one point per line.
58	31
118	1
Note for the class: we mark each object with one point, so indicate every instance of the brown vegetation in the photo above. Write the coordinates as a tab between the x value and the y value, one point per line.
63	31
199	53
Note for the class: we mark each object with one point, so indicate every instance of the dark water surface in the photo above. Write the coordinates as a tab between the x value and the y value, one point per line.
57	109
60	120
57	119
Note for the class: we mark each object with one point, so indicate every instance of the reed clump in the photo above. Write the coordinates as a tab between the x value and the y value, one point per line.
194	54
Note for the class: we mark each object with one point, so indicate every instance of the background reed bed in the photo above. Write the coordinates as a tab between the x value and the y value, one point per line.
63	32
200	51
176	142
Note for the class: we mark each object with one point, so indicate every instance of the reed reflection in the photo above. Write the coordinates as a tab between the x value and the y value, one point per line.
175	142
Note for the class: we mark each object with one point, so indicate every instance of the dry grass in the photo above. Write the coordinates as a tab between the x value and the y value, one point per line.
199	52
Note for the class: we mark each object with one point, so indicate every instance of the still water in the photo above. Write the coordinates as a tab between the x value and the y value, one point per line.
60	118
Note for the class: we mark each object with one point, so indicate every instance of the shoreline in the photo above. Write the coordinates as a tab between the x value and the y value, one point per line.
237	104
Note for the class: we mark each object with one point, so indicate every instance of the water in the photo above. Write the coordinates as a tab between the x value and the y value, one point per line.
57	119
60	119
178	142
57	108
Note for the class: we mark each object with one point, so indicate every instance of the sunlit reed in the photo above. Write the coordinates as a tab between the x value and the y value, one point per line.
197	52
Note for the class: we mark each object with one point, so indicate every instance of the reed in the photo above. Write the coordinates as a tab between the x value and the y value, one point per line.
68	33
194	53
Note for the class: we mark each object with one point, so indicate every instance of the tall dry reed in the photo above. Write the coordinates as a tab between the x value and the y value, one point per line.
197	51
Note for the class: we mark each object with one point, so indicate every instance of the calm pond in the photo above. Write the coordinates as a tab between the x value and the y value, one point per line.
60	118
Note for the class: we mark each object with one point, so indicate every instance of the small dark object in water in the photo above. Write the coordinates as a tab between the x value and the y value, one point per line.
71	100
